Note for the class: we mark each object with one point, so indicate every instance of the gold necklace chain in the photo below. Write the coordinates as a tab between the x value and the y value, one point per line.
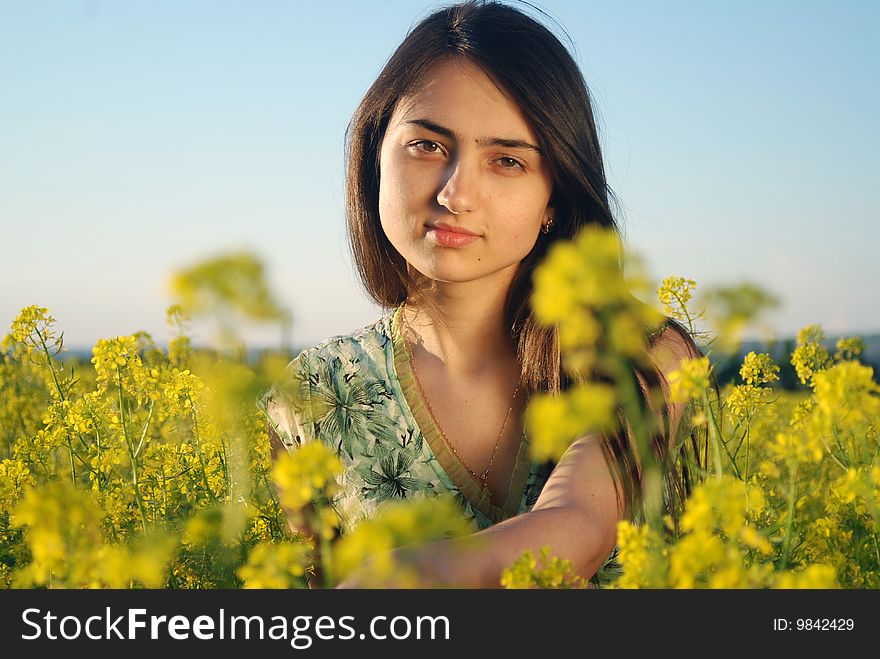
484	477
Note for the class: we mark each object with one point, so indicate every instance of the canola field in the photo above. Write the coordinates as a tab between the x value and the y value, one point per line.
150	467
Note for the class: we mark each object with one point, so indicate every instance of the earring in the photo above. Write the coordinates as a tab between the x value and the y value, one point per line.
545	228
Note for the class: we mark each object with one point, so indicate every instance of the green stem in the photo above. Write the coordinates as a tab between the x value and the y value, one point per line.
789	526
686	313
230	495
741	439
63	398
131	454
748	444
140	445
839	444
199	452
717	441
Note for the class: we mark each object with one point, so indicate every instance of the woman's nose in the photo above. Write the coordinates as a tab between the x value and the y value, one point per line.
460	192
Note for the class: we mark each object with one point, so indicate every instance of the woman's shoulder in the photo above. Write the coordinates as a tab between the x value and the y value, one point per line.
368	343
337	363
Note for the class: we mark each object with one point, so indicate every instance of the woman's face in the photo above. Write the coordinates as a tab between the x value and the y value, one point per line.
463	188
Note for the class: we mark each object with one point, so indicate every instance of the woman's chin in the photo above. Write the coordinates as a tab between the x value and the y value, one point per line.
465	273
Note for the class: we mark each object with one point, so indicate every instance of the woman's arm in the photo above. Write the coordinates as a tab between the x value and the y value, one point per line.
576	513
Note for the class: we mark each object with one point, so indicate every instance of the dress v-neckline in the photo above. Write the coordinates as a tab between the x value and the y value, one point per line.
457	472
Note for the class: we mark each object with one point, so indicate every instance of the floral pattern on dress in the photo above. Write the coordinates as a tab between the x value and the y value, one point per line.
345	393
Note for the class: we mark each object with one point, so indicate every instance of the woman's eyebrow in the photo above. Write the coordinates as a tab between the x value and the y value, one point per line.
481	142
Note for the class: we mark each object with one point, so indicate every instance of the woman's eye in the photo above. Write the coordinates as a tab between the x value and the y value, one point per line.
510	163
426	146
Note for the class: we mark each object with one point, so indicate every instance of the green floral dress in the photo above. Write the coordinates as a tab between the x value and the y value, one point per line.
357	394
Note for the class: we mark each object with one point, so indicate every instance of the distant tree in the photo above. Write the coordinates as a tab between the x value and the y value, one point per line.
228	289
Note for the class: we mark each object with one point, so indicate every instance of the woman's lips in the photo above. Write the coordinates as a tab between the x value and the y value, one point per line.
451	237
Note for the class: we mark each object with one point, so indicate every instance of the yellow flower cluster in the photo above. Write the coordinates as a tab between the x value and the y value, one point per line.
34	328
849	348
395	525
182	391
587	272
306	474
15	478
796	449
675	292
860	486
137	449
276	565
847	395
62	530
721	505
721	547
154	469
582	290
112	356
690	380
552	421
811	577
758	369
810	356
643	555
744	400
552	573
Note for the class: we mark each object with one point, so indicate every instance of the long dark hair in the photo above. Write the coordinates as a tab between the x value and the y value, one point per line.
525	59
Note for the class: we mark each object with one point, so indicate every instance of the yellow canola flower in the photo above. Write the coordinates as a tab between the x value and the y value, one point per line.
674	293
553	573
754	539
758	369
579	329
276	565
722	504
847	391
810	356
120	566
802	414
643	556
587	272
63	526
305	474
182	391
15	479
33	326
849	348
63	534
627	334
743	401
796	448
397	523
553	422
860	488
180	350
690	380
693	557
328	523
814	576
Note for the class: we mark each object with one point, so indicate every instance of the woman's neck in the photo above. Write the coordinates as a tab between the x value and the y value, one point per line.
463	325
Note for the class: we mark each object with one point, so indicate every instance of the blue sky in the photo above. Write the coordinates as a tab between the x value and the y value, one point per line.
140	137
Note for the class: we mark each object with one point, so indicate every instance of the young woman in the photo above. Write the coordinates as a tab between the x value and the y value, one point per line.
473	152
